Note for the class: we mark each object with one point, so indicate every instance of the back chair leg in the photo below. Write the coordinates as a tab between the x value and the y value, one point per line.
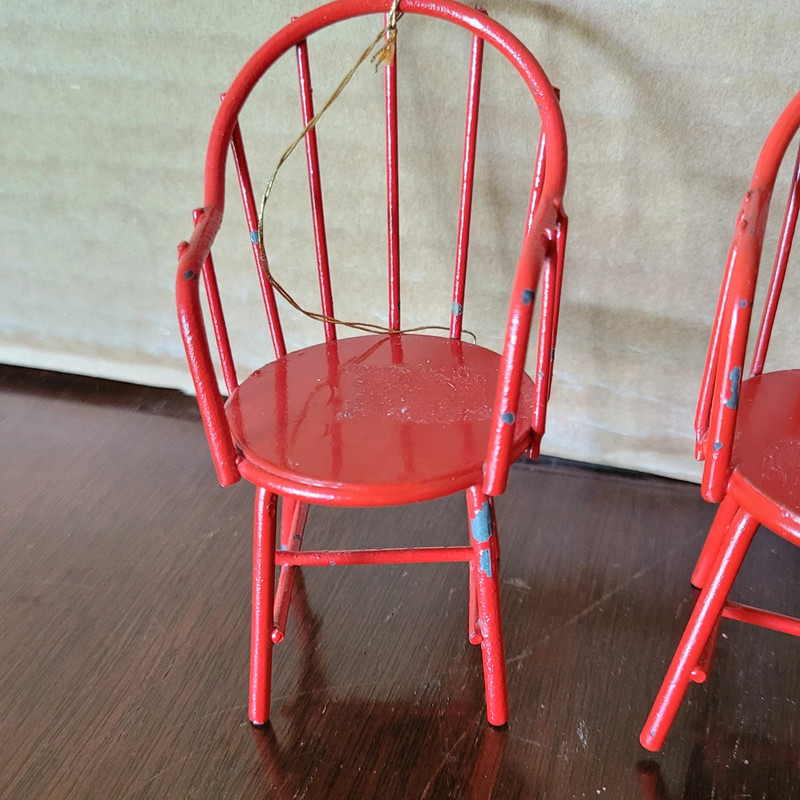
701	626
485	572
293	522
719	527
266	508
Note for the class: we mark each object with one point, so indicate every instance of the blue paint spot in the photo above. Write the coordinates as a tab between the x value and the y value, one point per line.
743	304
508	418
481	524
458	309
190	275
485	564
540	374
735	376
528	296
254	237
717	446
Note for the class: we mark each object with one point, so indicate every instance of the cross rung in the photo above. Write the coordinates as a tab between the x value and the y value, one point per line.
421	555
762	618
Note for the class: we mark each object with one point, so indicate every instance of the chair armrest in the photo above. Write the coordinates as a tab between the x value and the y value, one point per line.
539	247
722	386
191	257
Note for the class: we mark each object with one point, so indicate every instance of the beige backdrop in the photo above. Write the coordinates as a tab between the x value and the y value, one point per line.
106	108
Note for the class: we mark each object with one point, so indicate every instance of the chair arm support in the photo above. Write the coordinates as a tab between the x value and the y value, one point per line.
736	307
536	249
191	257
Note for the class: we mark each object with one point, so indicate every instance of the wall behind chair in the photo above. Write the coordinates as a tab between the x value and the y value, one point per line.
106	109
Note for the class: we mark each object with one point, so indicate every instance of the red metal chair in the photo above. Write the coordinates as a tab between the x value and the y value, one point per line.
386	418
748	434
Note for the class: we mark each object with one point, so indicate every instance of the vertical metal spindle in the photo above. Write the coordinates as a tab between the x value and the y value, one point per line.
539	172
248	200
561	246
778	271
217	317
467	183
315	188
392	189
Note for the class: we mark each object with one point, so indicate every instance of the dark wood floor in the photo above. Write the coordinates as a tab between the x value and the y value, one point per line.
124	614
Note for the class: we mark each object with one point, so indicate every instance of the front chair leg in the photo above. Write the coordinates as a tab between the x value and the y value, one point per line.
687	663
263	593
485	571
714	539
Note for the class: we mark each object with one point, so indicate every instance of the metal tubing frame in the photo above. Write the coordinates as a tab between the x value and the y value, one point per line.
545	217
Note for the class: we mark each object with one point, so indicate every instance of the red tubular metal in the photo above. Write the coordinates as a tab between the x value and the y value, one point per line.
251	215
700	672
762	618
548	327
392	190
315	188
535	252
778	270
716	535
730	362
467	181
473	634
561	248
331	558
266	507
699	629
217	317
548	290
293	523
485	566
538	179
195	342
703	414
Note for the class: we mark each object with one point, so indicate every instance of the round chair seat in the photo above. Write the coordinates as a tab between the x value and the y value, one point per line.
766	449
372	420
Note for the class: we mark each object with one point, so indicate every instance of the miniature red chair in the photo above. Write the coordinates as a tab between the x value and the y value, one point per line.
386	418
748	433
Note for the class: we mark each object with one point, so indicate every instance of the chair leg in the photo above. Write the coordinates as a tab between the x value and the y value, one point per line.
722	520
293	524
698	630
485	572
293	521
263	591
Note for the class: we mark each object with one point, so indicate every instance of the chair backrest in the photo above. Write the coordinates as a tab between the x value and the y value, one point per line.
539	263
715	421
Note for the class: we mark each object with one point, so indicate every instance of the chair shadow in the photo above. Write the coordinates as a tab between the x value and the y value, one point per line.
405	749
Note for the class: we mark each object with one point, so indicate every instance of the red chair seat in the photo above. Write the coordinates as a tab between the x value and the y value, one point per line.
374	419
766	446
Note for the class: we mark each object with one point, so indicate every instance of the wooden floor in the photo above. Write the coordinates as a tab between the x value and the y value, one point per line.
124	632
